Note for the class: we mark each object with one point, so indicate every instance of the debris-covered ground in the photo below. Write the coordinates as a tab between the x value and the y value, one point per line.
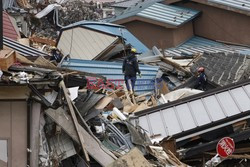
66	67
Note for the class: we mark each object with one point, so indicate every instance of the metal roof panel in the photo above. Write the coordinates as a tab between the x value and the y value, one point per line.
23	49
112	29
130	3
199	45
169	14
198	111
113	72
243	5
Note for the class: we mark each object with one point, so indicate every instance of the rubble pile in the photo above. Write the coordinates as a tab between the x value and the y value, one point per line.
44	28
78	122
77	10
77	111
69	12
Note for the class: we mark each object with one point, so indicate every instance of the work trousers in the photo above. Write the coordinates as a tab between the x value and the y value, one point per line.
132	80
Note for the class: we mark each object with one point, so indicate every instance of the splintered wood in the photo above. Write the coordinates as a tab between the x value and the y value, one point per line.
43	62
166	158
132	159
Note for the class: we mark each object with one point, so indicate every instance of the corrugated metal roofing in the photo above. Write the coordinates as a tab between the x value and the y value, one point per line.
172	15
130	3
9	30
198	112
199	45
111	29
168	14
22	49
113	72
243	5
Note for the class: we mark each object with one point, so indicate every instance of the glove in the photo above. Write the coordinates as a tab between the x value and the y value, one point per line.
140	75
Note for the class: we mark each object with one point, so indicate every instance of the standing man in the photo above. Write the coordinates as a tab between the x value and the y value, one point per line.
130	68
201	82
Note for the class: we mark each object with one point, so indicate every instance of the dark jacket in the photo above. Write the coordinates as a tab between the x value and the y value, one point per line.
56	55
201	81
130	66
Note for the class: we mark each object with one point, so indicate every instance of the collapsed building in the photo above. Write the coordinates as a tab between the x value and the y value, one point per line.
77	112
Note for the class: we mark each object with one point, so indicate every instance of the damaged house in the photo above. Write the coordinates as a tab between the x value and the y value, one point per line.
107	40
169	25
216	20
198	122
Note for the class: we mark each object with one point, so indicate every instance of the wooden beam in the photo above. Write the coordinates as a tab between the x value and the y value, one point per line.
43	40
176	65
72	112
133	158
94	148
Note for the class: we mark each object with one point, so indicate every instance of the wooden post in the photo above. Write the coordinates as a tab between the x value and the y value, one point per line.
72	112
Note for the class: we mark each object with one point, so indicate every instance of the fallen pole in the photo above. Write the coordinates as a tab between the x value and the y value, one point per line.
72	112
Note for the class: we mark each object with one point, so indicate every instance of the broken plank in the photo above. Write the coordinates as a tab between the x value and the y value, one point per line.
103	102
153	100
43	40
99	153
130	109
44	62
134	158
177	66
142	106
72	112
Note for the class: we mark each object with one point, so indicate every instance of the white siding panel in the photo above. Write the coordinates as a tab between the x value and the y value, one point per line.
214	108
200	112
186	118
64	42
190	114
228	103
241	98
172	122
157	125
86	44
247	88
144	124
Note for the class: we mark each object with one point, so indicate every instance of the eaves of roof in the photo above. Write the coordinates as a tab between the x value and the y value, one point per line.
193	97
194	115
166	14
109	29
239	6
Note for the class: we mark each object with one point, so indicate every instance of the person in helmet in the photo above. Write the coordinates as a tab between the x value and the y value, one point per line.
56	55
201	82
130	67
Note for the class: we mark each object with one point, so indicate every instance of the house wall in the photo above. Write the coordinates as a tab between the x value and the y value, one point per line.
13	127
82	43
155	35
219	24
183	33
